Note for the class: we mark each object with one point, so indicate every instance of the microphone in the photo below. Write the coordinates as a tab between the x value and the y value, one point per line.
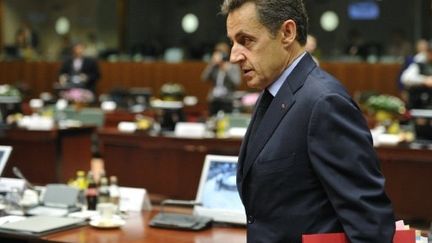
18	174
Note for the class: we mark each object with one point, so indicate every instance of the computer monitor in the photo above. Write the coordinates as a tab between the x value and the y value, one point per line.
217	191
422	120
363	10
135	99
5	152
419	98
9	105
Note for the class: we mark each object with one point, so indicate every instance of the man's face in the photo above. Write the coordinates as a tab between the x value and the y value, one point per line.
261	56
78	50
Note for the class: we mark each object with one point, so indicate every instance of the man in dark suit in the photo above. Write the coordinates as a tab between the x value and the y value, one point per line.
309	165
79	71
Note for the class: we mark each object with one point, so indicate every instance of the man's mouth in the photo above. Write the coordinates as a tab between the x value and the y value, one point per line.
247	72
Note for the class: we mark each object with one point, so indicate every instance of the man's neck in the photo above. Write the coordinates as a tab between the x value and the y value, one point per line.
296	51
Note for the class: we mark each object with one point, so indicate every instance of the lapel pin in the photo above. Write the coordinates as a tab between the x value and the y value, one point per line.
283	106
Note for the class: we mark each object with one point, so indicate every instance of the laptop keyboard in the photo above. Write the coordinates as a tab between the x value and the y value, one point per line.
178	219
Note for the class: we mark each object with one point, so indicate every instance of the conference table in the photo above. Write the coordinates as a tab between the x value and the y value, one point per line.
408	173
137	229
171	166
48	156
166	165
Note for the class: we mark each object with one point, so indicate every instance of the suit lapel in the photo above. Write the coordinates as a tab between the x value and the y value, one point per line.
244	146
280	105
276	111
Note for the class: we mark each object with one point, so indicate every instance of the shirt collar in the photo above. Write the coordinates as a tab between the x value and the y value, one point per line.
276	85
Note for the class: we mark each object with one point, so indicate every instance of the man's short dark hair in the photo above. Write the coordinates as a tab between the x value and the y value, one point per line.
272	13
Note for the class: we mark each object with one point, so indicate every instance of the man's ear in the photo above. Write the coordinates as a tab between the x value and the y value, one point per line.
289	32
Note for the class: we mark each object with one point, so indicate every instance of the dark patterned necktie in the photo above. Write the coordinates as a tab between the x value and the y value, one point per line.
261	109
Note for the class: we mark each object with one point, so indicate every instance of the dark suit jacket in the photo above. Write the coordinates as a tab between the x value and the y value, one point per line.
311	167
89	67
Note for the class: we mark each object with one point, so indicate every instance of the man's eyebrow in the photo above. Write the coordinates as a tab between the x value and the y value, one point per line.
241	33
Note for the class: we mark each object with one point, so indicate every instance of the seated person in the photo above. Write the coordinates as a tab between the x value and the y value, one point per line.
79	71
417	79
225	77
422	47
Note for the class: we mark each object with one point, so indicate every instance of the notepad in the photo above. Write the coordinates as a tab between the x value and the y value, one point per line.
41	225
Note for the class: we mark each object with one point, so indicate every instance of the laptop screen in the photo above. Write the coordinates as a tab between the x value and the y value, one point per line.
217	191
5	152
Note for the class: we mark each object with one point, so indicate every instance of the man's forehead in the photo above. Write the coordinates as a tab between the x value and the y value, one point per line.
243	21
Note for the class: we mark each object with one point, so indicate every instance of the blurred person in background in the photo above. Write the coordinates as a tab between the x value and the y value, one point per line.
311	47
225	77
417	80
93	46
79	71
356	44
420	56
399	47
65	48
26	42
31	37
422	47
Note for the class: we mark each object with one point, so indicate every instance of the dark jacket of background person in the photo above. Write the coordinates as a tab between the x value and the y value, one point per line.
89	68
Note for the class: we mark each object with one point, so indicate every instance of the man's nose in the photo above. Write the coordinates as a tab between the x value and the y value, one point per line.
236	55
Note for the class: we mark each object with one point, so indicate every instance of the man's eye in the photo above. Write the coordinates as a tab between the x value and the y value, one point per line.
247	41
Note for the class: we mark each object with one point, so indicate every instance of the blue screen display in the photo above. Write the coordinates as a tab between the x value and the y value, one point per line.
220	190
363	10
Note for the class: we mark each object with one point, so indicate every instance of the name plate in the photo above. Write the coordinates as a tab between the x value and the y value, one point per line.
134	199
190	129
127	127
7	184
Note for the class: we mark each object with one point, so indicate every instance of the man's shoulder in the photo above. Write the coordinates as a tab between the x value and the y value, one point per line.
322	82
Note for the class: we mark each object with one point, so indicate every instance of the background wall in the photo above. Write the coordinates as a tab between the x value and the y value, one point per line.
157	24
160	20
86	16
152	25
412	18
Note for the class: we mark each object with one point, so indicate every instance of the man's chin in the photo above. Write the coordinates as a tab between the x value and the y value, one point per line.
254	84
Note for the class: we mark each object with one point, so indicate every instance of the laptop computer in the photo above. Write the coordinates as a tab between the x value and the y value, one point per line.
41	225
217	191
8	184
58	200
5	152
